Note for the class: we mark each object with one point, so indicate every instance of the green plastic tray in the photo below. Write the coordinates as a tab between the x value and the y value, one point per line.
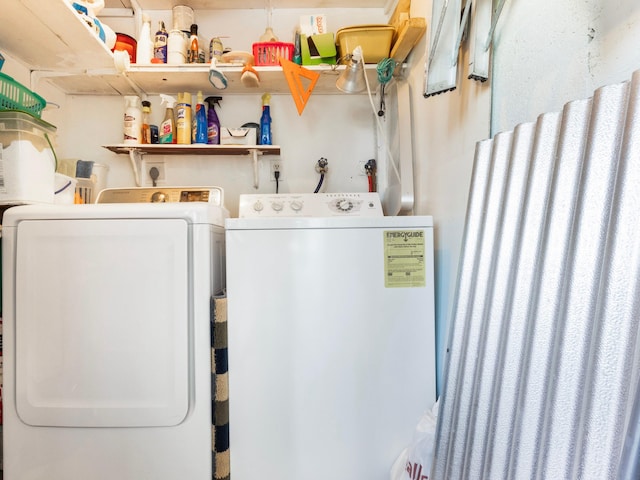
15	96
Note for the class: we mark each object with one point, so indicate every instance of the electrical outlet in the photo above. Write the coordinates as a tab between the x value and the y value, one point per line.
161	179
361	168
276	166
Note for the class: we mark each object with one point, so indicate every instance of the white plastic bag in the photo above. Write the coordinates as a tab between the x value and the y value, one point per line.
414	462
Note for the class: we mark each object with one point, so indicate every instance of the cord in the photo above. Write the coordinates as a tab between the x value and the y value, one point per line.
276	175
381	130
385	69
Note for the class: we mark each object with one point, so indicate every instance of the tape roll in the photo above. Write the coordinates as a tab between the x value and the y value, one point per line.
121	60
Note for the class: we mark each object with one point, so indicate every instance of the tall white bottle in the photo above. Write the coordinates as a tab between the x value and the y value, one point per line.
132	120
144	47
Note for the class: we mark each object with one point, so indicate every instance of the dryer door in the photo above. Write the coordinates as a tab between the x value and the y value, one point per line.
102	322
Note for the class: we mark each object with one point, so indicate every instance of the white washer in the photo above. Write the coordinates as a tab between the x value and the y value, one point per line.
106	336
331	335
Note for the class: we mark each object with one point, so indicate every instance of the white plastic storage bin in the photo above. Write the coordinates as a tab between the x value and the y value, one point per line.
27	163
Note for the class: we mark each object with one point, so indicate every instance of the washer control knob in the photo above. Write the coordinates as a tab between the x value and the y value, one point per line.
296	205
258	206
344	205
277	206
159	197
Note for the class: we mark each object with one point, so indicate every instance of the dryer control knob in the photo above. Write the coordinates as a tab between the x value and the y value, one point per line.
296	206
159	197
277	206
258	206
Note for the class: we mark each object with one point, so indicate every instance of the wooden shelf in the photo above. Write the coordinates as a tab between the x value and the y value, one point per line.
51	36
194	149
249	4
171	79
67	53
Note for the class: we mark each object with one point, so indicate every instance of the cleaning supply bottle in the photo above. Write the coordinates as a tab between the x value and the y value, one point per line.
183	118
200	121
146	123
193	51
160	44
265	121
213	122
132	120
168	125
144	47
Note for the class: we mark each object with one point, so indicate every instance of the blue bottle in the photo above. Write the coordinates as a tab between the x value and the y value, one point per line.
213	122
200	121
265	121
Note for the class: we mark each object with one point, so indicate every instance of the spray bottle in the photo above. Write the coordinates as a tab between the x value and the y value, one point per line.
183	118
265	121
132	133
144	46
200	121
213	122
168	126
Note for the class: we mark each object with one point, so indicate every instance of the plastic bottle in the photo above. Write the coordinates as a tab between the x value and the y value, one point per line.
176	47
146	124
160	44
194	48
265	121
213	122
216	49
168	125
200	121
132	120
183	118
144	47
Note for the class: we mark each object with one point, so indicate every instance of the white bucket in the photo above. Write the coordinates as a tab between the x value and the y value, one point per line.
64	190
99	177
183	18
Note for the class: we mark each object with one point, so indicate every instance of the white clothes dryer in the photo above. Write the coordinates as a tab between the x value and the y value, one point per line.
107	336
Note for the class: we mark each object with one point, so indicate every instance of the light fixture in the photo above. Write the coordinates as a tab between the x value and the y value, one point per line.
352	80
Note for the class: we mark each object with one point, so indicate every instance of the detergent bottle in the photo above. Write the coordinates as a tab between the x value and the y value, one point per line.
265	121
132	133
213	122
200	121
183	118
168	126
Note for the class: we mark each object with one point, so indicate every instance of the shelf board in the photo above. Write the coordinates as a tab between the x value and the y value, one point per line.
171	79
194	149
51	36
250	4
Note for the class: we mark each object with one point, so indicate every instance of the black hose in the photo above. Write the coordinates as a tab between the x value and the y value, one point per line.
319	183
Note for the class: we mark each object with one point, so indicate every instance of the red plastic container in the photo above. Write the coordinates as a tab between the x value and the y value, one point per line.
269	53
126	43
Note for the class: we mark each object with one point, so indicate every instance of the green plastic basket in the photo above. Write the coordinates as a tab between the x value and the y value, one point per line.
15	96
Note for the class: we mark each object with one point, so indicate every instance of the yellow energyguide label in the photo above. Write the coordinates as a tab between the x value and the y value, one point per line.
404	261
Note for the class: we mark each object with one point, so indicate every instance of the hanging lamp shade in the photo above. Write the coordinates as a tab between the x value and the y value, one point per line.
352	80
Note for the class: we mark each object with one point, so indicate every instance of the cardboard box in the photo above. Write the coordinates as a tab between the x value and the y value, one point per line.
318	49
237	136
